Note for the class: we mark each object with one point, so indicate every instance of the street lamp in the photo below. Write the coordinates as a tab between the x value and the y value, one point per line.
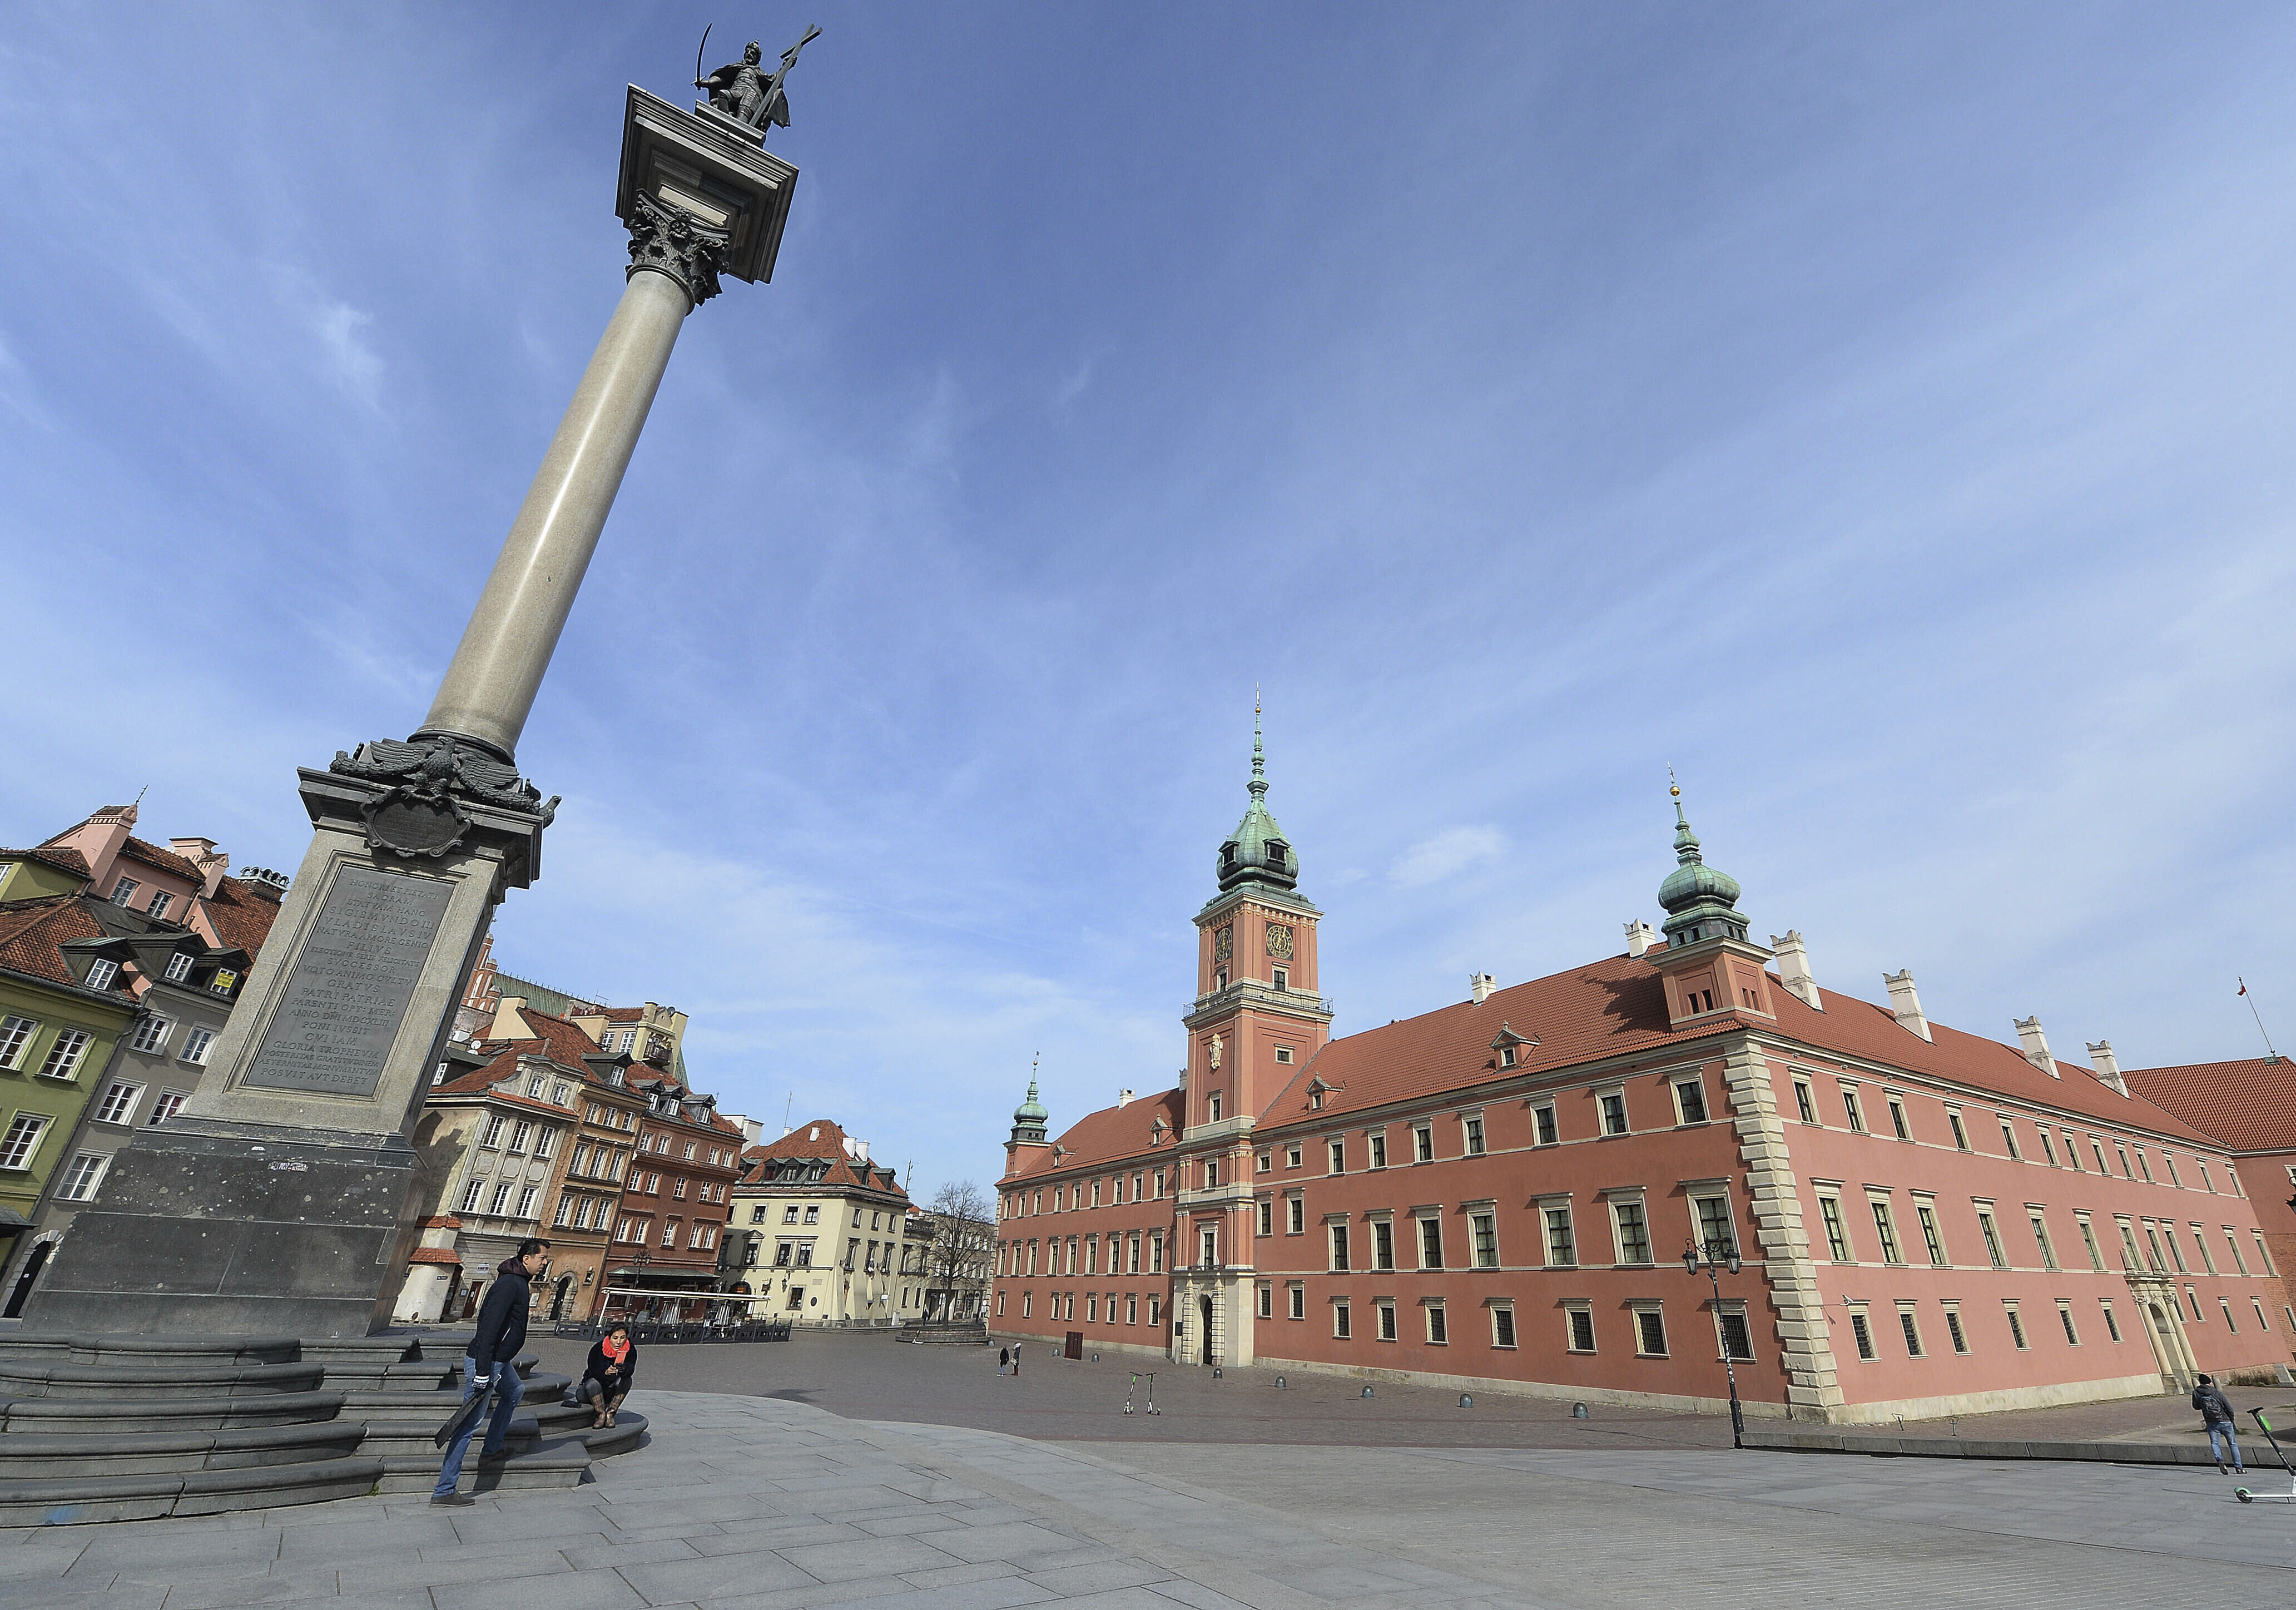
1718	1256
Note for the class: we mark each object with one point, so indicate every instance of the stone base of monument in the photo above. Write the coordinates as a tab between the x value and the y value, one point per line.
206	1226
133	1427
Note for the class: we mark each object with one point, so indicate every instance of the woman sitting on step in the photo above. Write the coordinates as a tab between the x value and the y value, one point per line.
606	1378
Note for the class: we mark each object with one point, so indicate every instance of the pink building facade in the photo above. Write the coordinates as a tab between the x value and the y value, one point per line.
1499	1194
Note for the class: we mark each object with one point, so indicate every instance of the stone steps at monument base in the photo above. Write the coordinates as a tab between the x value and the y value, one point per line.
544	1466
23	1378
28	1457
149	1351
411	1437
439	1401
604	1441
76	1500
79	1415
361	1363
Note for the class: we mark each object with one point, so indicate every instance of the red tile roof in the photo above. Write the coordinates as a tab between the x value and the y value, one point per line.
241	918
166	860
1616	1007
1612	1007
561	1041
820	1137
2249	1105
31	930
62	858
1103	1137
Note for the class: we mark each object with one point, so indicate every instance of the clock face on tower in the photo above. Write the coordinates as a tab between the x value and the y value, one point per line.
1223	943
1279	939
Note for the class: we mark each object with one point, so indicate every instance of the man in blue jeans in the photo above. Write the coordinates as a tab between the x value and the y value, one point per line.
2216	1414
491	1360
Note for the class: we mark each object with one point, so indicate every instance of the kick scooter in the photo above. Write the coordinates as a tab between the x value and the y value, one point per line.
2289	1497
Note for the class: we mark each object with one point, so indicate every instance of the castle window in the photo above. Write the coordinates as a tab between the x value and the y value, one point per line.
1283	1054
1283	978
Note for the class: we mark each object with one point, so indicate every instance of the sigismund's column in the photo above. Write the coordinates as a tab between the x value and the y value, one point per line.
281	1200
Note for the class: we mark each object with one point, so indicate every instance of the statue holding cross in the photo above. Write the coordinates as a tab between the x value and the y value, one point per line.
744	91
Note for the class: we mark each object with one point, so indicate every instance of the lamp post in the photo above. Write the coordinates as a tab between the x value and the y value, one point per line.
1718	1256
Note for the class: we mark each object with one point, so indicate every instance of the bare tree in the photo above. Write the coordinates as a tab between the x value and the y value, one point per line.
963	1239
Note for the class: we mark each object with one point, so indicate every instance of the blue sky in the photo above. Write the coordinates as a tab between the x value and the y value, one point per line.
1880	414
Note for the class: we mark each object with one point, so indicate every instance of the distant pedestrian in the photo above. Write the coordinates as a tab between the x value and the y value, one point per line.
1016	1359
606	1378
1004	1360
2215	1413
490	1363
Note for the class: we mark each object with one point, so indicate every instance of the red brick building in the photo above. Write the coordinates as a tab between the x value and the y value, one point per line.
1498	1193
676	1200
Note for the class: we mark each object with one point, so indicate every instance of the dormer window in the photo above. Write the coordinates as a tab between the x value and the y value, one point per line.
179	966
224	981
1276	850
100	973
1506	1046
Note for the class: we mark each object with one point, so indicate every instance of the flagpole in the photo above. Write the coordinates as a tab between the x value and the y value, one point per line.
2273	1055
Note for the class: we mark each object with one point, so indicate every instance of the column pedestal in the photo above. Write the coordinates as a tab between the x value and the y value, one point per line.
278	1200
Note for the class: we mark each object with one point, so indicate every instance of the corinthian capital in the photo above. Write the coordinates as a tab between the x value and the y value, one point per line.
670	241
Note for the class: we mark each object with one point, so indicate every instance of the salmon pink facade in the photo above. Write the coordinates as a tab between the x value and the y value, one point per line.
1499	1194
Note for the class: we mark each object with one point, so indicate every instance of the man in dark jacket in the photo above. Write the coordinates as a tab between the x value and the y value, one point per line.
491	1361
2215	1413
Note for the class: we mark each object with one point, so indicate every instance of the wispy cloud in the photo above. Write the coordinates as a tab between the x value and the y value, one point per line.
1446	854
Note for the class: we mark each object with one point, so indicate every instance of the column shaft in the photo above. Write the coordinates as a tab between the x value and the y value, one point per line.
490	685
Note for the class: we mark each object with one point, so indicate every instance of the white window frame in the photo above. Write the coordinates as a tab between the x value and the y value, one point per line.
1602	1099
1641	1309
15	1036
170	1104
1696	1082
179	968
21	1144
82	1177
199	1040
65	1052
151	1035
121	1112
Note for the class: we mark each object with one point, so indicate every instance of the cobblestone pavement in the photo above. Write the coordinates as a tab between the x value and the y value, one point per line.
870	1377
771	1505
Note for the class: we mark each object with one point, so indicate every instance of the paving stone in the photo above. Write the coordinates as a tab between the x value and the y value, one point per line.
715	1577
870	1557
1008	1541
277	1587
597	1555
1102	1576
580	1590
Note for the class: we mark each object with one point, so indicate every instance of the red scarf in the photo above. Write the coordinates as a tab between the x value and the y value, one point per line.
606	1345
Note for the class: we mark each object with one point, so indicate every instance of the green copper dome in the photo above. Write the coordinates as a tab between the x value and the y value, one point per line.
1700	902
1257	851
1029	1118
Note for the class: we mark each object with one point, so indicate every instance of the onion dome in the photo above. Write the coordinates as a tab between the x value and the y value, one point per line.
1700	902
1029	1119
1257	851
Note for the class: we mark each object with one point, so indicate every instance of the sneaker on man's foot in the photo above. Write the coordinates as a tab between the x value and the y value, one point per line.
495	1457
452	1500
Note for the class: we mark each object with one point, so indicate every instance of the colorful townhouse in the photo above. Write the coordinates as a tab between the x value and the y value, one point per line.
1499	1194
822	1235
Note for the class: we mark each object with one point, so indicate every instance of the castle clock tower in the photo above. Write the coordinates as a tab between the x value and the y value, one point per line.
1258	1018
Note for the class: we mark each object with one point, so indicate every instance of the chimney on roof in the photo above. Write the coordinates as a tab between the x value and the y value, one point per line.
1905	1003
1793	969
2037	1045
1481	986
1640	937
1123	1098
507	1024
203	854
271	885
2108	1066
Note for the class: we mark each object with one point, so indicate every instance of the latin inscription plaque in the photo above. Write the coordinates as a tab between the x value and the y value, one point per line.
341	1008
